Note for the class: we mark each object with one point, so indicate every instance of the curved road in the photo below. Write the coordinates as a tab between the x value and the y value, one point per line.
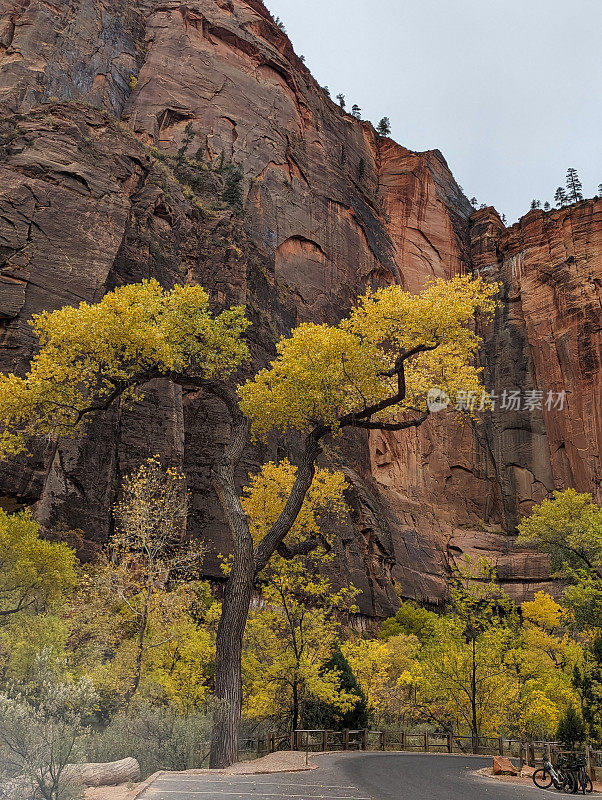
352	776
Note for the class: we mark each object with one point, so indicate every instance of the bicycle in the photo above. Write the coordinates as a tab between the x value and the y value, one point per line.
562	779
583	782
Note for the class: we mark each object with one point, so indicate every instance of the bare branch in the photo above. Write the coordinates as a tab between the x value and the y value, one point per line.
390	426
302	548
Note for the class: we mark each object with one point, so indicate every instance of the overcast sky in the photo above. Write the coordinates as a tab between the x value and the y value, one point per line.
509	90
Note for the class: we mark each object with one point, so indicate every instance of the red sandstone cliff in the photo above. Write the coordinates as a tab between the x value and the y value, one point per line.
329	208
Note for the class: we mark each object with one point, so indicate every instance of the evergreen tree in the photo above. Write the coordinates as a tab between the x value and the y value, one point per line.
574	189
186	140
326	90
546	206
361	169
560	197
600	190
571	729
233	185
279	24
587	680
504	218
356	111
341	99
322	715
384	127
474	202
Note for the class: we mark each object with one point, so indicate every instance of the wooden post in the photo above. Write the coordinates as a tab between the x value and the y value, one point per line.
292	740
272	743
588	763
382	740
403	740
475	745
346	739
500	746
450	743
426	742
364	739
324	740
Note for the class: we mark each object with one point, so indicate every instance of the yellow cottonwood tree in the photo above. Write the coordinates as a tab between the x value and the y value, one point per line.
378	664
34	573
289	639
545	664
372	371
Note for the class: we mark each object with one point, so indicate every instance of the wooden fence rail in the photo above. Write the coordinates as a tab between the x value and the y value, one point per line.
323	740
528	752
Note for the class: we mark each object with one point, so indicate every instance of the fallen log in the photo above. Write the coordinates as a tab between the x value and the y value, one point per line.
112	773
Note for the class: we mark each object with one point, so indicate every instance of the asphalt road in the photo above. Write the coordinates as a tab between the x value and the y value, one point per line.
352	776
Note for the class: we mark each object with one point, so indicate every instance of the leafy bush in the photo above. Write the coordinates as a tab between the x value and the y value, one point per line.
42	727
159	738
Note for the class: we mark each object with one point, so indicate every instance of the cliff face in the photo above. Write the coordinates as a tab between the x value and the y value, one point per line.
86	204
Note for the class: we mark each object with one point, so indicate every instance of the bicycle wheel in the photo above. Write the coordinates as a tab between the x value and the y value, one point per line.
569	783
585	783
542	779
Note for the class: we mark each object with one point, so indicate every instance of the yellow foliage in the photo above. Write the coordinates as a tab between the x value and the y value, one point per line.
34	573
91	353
377	665
266	495
182	665
24	638
543	610
442	679
290	637
322	372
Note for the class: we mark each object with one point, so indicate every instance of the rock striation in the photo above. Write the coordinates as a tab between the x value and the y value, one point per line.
96	100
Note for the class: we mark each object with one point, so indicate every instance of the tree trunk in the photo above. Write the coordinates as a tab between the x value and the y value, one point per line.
228	678
473	693
139	649
110	774
237	596
295	706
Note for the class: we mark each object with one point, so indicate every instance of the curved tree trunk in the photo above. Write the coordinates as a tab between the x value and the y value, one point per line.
237	597
228	679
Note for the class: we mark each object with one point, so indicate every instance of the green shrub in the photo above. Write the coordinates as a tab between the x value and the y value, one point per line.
158	738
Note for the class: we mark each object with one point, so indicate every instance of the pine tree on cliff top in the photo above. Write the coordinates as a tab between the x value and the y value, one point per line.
574	189
356	111
560	197
600	190
384	127
341	99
